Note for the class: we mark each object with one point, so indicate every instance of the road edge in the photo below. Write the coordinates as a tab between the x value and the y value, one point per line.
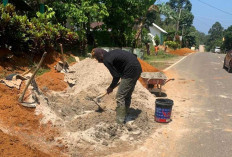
176	62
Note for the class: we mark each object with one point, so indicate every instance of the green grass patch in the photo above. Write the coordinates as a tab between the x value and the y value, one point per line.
160	56
159	61
2	76
41	71
70	59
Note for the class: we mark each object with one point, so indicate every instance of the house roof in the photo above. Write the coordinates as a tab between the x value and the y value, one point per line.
159	28
96	24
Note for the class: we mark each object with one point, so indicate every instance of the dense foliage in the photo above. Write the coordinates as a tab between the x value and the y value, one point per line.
227	45
36	35
172	44
178	21
79	14
124	15
157	40
215	36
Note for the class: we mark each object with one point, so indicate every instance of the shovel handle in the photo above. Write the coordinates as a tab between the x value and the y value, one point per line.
102	95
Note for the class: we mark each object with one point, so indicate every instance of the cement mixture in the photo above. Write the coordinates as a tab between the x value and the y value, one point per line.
89	133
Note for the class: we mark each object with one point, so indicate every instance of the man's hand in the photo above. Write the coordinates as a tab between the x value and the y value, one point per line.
109	90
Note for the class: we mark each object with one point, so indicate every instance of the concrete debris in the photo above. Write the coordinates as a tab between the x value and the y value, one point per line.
13	80
62	67
12	84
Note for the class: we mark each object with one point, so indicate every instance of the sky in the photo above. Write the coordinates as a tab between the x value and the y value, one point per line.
207	12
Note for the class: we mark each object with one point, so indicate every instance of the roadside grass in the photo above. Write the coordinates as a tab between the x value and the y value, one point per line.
159	61
161	56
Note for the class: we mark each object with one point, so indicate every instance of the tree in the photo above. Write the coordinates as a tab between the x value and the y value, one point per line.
157	40
123	16
178	17
215	36
190	38
228	38
80	13
183	13
146	39
201	39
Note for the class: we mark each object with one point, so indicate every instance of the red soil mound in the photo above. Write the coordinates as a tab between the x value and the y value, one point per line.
51	81
21	121
146	68
182	51
12	146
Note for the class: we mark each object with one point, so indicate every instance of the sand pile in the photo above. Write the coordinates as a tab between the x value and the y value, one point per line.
182	51
90	133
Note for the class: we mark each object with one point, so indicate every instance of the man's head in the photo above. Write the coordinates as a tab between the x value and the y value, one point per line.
98	54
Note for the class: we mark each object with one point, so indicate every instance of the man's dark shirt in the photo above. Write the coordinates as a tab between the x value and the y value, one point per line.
121	64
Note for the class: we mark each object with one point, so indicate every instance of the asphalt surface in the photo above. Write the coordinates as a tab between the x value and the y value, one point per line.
211	125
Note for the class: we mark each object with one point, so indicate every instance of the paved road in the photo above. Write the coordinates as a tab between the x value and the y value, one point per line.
211	126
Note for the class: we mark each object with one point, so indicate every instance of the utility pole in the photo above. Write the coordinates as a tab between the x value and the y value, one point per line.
177	24
182	34
5	2
42	6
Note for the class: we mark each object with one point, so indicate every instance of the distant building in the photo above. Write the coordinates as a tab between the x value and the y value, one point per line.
156	30
201	48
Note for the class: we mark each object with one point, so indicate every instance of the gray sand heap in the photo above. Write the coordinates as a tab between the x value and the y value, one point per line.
90	133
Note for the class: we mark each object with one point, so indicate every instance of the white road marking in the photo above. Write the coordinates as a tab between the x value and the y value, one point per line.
223	96
174	64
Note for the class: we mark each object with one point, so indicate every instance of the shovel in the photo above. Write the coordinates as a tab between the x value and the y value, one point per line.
100	109
97	100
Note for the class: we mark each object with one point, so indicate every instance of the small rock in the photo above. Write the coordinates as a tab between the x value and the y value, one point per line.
104	143
137	132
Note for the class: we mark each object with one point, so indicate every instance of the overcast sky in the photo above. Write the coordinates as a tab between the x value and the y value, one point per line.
207	12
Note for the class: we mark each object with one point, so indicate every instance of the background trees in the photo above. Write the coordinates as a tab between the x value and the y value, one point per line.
215	36
178	21
227	45
124	21
124	15
182	9
32	35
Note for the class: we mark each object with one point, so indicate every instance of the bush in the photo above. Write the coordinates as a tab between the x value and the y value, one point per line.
32	36
157	40
172	44
103	38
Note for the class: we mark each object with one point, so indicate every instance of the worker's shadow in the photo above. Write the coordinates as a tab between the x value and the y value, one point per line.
157	94
133	114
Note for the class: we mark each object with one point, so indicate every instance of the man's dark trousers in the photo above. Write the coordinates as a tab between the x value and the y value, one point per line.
123	97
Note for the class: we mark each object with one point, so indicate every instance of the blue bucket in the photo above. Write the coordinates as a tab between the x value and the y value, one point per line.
163	110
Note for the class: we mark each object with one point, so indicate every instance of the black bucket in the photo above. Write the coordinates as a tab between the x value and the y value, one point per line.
163	110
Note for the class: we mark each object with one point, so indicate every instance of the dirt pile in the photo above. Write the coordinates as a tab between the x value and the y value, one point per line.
90	133
182	51
22	122
146	68
11	64
12	146
52	80
66	120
